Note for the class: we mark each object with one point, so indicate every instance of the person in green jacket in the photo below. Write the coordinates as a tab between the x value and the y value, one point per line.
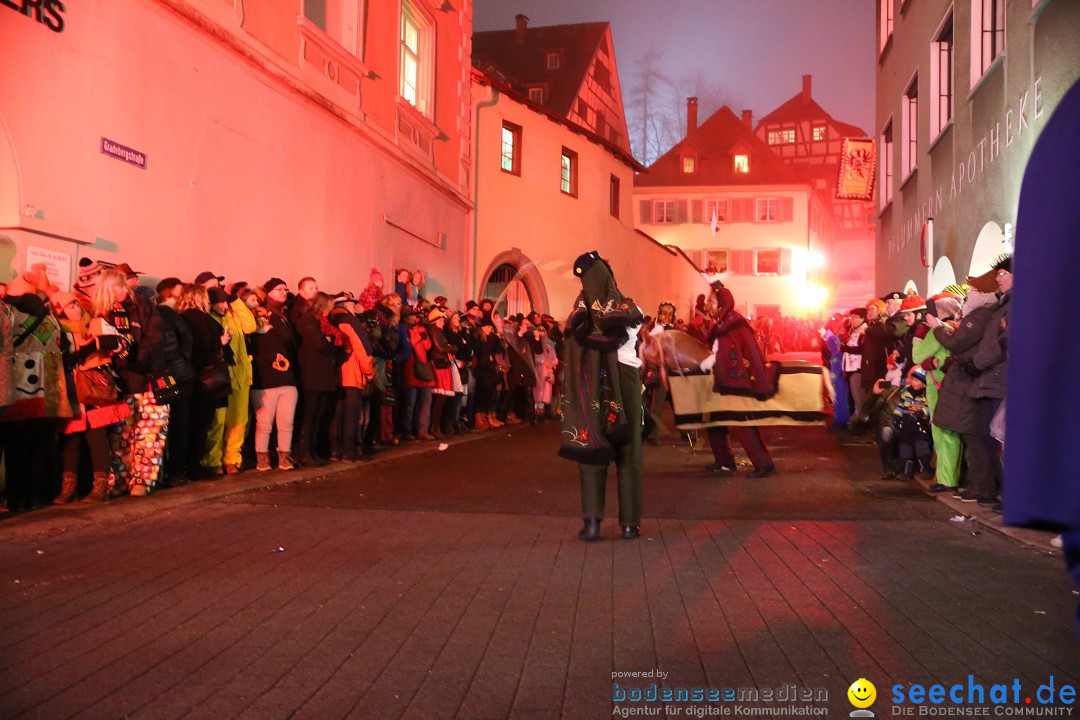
931	354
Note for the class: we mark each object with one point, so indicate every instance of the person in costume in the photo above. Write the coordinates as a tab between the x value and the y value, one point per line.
602	396
1042	457
932	356
738	369
656	392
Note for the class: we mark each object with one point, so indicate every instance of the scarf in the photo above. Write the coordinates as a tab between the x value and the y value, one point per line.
333	335
594	419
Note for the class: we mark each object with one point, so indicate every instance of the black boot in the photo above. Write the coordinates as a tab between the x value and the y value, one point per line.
630	532
591	530
909	470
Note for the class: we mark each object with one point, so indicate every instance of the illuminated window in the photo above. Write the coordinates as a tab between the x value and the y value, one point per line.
717	207
767	209
782	137
663	211
819	133
885	17
340	19
941	82
767	262
742	163
553	61
568	172
689	163
613	196
910	153
536	95
417	59
511	148
716	260
987	35
885	162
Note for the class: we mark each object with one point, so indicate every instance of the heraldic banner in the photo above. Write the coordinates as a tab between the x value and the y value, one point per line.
858	162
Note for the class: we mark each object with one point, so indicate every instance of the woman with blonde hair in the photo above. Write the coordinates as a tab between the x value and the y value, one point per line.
139	448
208	341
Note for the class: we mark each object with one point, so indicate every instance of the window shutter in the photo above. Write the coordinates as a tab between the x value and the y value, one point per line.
695	209
747	209
742	262
785	258
645	213
787	209
734	210
681	211
700	258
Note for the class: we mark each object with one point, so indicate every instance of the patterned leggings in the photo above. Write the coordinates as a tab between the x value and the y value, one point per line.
138	443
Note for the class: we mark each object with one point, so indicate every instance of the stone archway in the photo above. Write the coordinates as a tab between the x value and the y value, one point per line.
944	274
988	246
526	275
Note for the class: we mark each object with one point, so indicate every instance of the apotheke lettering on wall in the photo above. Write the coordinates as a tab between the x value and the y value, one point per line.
47	12
1027	110
121	152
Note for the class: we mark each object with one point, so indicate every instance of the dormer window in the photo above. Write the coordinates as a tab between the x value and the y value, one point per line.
689	164
536	95
554	60
742	163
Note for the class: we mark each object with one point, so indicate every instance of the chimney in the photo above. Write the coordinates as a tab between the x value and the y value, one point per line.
691	114
522	23
748	118
806	88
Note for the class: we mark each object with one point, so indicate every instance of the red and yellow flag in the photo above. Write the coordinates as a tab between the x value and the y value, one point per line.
858	164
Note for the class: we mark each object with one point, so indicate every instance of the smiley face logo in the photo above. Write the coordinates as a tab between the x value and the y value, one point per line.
862	693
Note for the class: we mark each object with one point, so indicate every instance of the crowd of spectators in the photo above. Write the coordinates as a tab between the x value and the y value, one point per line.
118	388
927	377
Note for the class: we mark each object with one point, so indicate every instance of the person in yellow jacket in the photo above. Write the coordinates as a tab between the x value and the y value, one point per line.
227	429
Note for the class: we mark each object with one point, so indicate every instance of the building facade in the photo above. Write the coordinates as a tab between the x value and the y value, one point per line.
732	204
554	174
277	137
964	88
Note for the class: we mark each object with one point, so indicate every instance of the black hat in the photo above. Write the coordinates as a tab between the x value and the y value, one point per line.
344	297
217	295
471	304
168	284
273	283
861	312
586	261
384	310
407	311
207	275
440	300
486	321
893	296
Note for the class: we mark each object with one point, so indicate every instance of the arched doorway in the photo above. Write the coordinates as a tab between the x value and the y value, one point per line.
504	285
988	246
943	275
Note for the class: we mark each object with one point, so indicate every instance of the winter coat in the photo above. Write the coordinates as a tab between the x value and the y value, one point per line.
877	344
991	357
146	358
956	408
318	356
241	322
359	367
176	344
38	379
421	346
274	352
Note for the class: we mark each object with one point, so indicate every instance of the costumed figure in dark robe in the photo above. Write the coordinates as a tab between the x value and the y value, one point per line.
602	396
1041	488
738	369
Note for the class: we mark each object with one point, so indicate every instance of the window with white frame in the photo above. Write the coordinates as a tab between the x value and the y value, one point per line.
339	19
941	77
511	148
987	35
910	152
885	15
568	172
741	163
785	136
553	60
718	208
536	95
716	260
767	209
767	261
417	59
663	211
819	132
885	162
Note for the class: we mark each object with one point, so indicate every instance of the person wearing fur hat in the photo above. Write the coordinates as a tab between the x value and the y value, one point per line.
957	408
602	414
927	352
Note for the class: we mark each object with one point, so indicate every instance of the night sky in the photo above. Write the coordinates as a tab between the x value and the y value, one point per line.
758	49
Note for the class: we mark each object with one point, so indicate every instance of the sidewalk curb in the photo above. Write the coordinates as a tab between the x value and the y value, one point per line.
61	519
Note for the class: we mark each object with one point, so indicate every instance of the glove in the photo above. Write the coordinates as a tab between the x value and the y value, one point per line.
708	363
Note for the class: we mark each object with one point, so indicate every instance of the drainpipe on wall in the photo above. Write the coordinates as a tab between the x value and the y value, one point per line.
476	187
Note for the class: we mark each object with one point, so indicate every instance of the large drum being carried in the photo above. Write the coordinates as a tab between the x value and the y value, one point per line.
799	400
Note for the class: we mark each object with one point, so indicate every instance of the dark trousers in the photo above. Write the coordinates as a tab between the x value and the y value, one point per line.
200	416
981	453
345	424
313	429
749	437
176	445
628	463
28	452
913	439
